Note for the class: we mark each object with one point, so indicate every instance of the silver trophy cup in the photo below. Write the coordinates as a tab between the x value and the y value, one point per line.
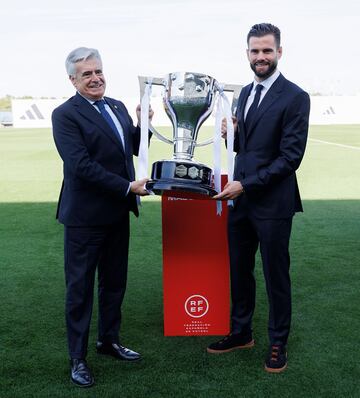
188	100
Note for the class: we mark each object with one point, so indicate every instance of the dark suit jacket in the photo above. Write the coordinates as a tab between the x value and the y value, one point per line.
96	169
270	152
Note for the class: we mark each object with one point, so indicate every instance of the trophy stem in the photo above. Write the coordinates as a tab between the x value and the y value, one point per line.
184	143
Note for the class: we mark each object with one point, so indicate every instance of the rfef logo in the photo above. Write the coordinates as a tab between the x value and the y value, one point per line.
196	306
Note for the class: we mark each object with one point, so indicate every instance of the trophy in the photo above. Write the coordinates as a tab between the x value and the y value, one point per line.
188	100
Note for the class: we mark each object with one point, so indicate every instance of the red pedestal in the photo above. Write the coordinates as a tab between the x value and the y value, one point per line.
196	281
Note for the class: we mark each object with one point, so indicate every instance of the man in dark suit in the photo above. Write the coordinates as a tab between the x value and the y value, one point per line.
96	140
271	128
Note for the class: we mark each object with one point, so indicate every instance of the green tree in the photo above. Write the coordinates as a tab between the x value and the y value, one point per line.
5	103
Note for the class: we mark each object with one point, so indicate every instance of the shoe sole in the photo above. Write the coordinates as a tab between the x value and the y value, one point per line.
275	370
239	347
81	385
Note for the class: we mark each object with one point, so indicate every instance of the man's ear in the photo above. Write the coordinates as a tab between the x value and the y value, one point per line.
73	80
279	52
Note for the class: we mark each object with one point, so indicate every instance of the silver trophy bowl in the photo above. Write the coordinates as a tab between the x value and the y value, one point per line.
188	100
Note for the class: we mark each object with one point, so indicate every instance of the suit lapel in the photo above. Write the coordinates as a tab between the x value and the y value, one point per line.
121	117
88	111
270	97
245	92
125	124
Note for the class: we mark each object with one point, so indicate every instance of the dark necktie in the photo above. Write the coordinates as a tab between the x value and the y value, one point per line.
101	105
253	108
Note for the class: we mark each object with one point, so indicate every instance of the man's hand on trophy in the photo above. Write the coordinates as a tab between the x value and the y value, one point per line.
231	191
138	187
138	114
224	126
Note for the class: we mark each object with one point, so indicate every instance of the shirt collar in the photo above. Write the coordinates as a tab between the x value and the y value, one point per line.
267	83
91	101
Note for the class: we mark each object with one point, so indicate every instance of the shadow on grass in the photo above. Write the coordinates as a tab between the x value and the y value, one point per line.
323	347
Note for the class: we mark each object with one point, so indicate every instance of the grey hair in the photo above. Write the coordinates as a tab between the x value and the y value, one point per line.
80	54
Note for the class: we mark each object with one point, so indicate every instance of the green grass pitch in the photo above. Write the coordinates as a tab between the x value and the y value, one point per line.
323	347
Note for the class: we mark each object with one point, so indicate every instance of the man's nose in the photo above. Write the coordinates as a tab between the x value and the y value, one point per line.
94	76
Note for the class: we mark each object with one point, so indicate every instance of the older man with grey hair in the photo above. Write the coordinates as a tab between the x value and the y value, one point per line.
96	140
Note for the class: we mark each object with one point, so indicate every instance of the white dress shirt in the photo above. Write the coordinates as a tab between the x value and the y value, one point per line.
116	122
267	83
114	119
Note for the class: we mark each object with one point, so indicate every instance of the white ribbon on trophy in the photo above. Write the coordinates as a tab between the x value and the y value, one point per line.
143	158
230	139
223	110
217	152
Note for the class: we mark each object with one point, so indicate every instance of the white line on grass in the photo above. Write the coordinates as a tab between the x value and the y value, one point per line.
336	144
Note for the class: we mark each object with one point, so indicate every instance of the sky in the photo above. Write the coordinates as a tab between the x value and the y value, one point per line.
320	38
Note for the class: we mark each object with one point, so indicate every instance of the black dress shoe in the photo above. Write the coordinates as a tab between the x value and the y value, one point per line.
117	351
80	373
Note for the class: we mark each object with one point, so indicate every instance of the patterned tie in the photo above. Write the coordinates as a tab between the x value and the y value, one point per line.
101	105
253	108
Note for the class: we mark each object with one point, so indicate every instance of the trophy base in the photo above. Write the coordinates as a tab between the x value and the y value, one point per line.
178	190
182	179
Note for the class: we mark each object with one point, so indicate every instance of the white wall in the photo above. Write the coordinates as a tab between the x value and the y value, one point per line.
33	113
324	110
335	110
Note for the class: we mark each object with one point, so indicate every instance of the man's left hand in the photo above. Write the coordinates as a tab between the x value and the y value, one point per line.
231	191
138	114
138	187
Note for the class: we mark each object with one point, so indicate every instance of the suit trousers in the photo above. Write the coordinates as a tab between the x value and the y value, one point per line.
104	248
245	235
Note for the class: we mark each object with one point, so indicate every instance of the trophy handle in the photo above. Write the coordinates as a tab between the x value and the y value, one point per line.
204	143
236	89
157	81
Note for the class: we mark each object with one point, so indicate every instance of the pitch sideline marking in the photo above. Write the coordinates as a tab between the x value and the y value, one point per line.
336	144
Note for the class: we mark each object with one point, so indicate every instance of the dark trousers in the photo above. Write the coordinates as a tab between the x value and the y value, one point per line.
273	235
104	248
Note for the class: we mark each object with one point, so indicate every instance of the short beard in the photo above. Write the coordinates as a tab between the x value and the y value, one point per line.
265	75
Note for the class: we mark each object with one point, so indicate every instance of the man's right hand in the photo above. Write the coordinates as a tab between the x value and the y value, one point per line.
231	191
138	187
224	126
